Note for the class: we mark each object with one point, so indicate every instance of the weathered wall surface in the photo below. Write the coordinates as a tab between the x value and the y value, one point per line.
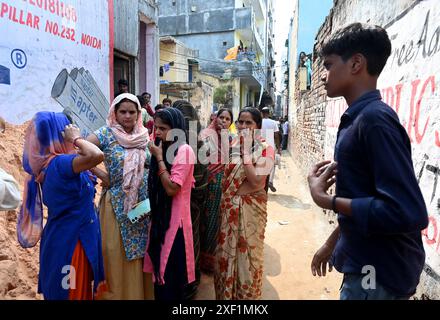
202	100
126	26
410	84
217	82
139	41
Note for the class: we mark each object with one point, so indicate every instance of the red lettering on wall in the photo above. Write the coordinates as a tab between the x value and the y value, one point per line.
437	139
414	115
419	137
391	96
3	10
414	85
398	95
21	17
388	96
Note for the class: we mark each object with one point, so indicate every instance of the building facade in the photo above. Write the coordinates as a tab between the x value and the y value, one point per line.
178	77
212	27
136	46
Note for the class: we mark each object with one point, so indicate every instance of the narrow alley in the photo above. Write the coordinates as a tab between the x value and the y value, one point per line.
295	229
96	95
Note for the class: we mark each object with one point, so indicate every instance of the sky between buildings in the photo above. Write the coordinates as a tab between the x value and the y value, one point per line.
312	15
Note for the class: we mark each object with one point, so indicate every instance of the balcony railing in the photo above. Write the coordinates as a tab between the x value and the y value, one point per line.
257	33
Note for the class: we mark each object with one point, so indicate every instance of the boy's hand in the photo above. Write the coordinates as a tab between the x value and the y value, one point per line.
320	178
320	260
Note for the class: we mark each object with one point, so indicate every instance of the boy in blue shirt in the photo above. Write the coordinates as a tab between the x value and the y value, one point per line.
381	212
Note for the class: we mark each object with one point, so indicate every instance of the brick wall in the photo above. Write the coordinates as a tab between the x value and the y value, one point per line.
410	84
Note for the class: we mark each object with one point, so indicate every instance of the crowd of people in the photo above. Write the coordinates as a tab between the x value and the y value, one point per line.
171	209
164	215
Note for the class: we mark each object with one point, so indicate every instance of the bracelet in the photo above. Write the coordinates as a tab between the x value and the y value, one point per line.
74	141
162	172
160	161
334	204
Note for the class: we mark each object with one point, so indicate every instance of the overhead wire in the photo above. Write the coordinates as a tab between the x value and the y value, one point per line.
217	61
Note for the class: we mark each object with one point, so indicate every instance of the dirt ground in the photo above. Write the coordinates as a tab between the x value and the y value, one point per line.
296	228
18	266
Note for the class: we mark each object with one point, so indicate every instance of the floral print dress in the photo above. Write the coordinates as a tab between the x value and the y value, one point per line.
134	235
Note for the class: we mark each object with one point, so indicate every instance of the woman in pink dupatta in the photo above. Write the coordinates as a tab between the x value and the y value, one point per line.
124	143
238	270
217	138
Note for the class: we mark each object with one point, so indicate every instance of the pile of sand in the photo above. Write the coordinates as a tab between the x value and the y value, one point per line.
18	266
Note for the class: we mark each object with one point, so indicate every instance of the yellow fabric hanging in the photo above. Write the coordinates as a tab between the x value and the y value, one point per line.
232	128
232	53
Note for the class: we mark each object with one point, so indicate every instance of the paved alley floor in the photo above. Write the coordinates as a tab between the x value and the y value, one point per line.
295	229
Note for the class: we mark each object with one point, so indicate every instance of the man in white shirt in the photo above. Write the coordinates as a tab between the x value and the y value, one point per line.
270	132
285	133
9	192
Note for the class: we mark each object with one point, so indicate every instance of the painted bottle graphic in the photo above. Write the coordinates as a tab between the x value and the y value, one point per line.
81	99
5	75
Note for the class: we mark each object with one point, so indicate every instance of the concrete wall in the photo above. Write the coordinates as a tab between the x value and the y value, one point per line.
152	62
292	62
126	18
216	82
210	28
210	45
206	21
179	54
167	8
214	26
202	100
410	84
140	43
200	95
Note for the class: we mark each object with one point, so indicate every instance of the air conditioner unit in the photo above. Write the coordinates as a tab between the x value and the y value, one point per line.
193	8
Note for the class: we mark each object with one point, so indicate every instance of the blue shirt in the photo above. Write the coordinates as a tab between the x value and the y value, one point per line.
375	170
71	217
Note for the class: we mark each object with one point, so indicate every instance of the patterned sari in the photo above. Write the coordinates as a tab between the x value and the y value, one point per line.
239	255
210	218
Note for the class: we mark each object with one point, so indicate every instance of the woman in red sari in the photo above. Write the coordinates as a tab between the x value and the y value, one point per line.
238	270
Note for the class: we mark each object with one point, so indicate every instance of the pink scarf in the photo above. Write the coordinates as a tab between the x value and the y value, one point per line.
212	136
135	144
42	143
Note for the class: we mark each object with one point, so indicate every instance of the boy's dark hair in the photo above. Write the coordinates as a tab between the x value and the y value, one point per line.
167	100
370	41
